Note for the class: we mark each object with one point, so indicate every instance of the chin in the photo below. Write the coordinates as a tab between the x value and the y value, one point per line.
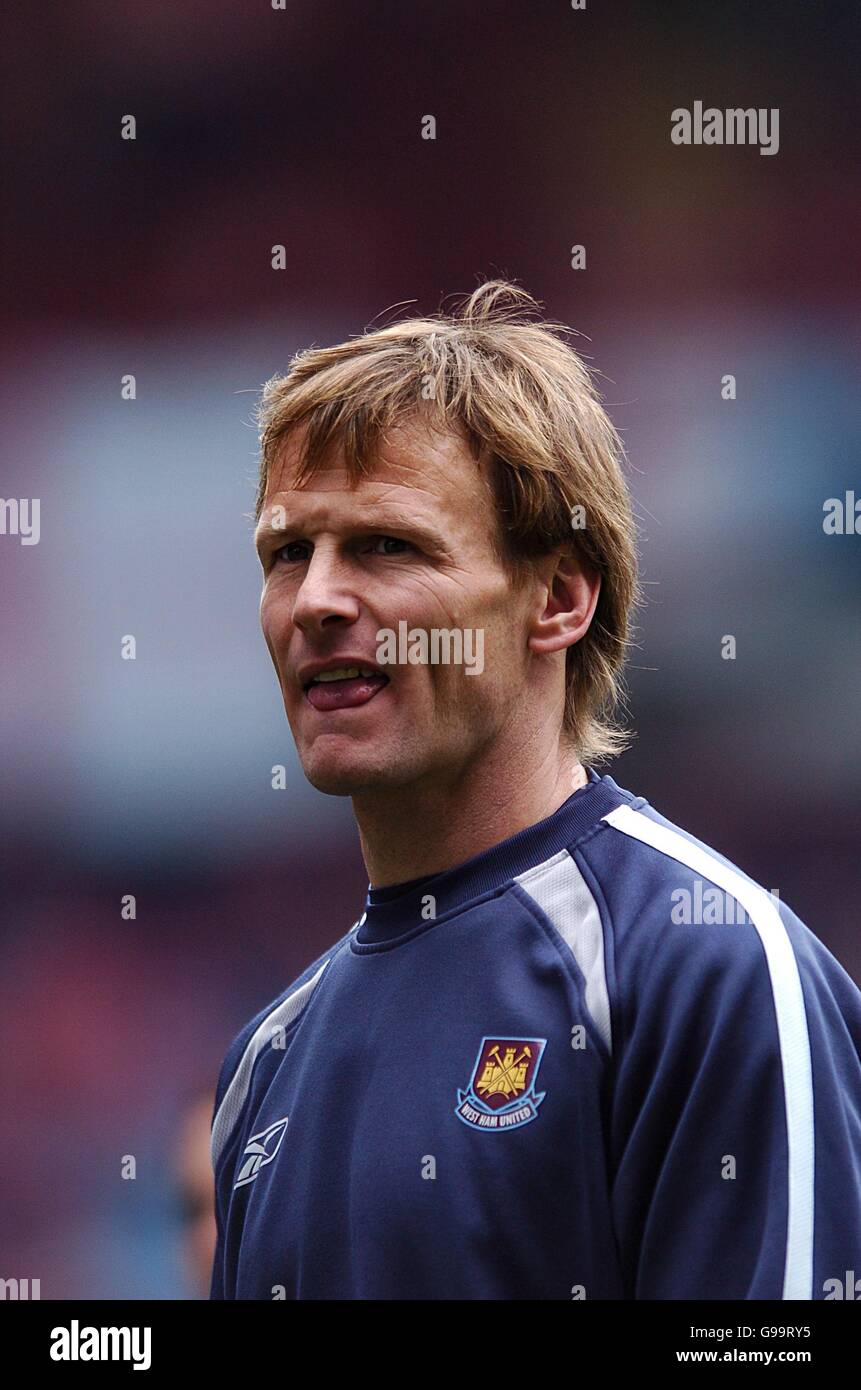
352	769
344	774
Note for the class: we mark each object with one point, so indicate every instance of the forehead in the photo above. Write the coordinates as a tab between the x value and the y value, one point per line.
414	468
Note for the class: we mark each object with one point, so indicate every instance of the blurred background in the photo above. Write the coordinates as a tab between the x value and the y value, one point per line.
302	127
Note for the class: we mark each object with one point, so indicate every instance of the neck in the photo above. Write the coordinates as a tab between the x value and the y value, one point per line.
430	826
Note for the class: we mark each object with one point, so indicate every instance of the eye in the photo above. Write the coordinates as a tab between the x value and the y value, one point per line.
294	552
391	541
284	551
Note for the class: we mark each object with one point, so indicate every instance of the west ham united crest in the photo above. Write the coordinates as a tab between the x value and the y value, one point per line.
501	1092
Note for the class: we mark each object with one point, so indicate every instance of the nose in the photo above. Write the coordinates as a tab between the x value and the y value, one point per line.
325	596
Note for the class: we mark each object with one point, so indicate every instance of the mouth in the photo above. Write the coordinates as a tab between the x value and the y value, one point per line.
343	687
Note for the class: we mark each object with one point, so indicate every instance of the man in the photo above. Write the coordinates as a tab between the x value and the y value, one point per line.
526	1071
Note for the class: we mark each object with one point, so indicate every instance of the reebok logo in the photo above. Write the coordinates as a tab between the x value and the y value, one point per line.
260	1150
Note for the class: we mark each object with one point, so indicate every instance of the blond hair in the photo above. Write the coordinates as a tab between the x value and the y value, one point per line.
525	402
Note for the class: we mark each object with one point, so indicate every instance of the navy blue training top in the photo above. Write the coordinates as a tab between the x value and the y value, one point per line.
595	1061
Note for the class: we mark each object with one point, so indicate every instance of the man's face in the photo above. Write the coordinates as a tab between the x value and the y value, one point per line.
410	544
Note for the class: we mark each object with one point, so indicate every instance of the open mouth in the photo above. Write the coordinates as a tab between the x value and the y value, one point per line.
344	687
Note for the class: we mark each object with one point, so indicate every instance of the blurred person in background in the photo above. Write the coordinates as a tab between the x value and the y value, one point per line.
194	1191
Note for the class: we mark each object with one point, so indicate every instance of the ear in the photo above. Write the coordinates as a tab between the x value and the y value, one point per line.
569	594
